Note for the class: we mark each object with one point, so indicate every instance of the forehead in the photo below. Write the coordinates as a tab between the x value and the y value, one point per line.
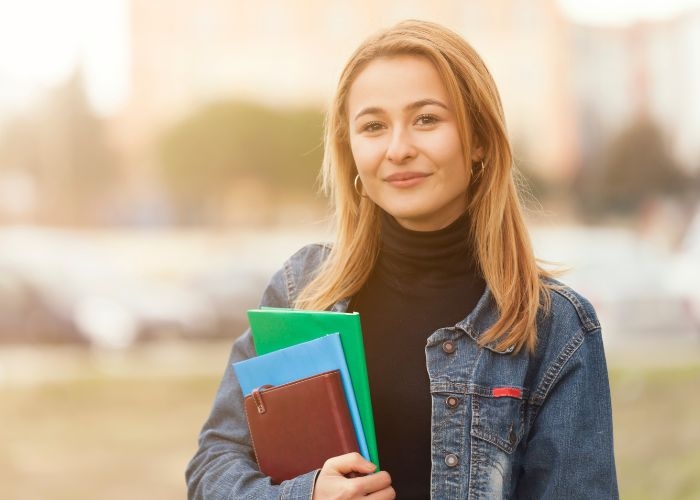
396	81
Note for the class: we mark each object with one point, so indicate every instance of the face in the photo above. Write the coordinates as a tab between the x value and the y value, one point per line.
405	142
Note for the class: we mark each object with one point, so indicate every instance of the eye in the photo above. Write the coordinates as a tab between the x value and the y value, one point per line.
427	119
372	127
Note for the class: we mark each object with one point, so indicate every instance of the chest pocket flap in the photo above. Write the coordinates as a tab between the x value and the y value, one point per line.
498	417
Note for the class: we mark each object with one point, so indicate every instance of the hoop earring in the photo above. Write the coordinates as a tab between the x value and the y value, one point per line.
480	173
355	183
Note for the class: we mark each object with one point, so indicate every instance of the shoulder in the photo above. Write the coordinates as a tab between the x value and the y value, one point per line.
569	336
297	271
307	257
569	306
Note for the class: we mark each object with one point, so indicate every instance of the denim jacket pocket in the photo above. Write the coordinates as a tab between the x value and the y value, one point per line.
497	428
500	417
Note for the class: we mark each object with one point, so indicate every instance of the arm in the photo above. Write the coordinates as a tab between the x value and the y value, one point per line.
569	452
224	466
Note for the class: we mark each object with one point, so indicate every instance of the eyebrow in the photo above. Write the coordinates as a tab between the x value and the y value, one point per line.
411	107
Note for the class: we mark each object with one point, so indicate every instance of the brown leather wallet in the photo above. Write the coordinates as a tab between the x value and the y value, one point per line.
296	427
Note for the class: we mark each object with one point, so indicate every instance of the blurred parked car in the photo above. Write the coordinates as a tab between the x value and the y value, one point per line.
631	282
59	286
685	271
26	315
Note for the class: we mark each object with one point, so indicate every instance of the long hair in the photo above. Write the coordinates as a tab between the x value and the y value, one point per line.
502	246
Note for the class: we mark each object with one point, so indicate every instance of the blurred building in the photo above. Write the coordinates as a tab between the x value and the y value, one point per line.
649	69
567	90
190	52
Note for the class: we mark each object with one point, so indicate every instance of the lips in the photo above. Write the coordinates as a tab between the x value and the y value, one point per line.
405	176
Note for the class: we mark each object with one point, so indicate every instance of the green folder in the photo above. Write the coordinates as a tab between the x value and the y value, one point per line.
277	328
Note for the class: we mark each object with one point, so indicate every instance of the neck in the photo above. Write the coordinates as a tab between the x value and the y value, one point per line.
444	254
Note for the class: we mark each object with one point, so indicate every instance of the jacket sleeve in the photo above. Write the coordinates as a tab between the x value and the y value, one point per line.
569	452
224	466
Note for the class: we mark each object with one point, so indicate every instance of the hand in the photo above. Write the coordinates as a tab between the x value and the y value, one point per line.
332	482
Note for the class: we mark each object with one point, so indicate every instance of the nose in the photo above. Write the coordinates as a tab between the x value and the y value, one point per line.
400	147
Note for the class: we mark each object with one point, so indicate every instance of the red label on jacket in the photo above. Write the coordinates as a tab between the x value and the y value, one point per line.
511	392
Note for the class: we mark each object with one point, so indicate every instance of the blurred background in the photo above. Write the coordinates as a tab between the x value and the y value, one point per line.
158	162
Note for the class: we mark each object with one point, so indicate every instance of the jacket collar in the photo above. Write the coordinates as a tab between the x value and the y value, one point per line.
483	316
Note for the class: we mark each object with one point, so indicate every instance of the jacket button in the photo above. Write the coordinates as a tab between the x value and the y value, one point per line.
452	402
449	347
451	460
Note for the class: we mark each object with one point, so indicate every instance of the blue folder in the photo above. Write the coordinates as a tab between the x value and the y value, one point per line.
300	361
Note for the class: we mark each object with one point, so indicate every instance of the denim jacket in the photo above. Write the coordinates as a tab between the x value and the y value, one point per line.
526	425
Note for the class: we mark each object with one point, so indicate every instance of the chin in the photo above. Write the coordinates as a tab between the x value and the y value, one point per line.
402	213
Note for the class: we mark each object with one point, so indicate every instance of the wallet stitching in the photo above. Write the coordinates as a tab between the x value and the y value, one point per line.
252	441
296	382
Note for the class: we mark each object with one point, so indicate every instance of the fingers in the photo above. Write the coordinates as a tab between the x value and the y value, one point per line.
385	494
374	482
349	463
333	482
377	486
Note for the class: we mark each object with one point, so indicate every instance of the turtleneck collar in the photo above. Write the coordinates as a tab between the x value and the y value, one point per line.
434	257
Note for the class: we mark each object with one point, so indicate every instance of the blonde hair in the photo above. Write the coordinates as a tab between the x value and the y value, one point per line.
502	245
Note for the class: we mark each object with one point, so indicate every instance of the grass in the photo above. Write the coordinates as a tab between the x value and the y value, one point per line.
129	433
101	438
657	431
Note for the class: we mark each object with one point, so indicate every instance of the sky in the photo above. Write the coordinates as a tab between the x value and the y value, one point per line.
621	12
41	41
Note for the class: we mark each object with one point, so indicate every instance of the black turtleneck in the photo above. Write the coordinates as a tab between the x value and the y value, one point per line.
422	281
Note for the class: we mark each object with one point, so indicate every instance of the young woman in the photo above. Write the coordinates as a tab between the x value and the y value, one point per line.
488	377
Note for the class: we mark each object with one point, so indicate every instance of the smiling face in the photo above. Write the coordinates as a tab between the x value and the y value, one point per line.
406	144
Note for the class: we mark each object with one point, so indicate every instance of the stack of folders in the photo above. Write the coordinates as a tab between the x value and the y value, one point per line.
306	393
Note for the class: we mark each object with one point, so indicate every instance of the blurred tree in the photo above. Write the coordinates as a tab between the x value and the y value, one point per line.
61	146
231	143
634	169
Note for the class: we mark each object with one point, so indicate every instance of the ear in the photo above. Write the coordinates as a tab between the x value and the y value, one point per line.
477	153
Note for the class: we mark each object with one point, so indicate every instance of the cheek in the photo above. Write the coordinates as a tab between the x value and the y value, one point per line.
367	154
450	144
447	151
